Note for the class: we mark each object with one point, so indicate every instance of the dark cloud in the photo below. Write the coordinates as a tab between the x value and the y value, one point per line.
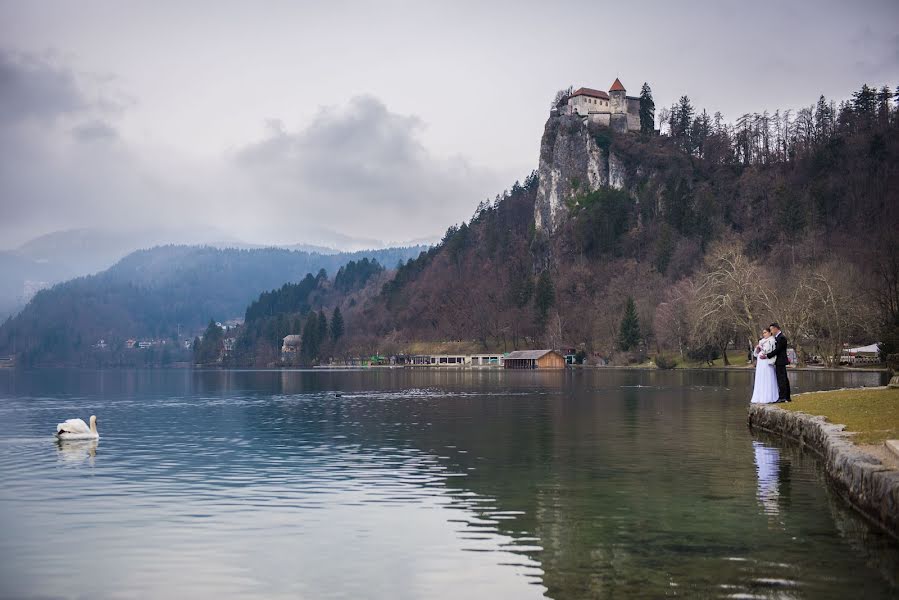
94	131
363	168
32	88
355	175
55	173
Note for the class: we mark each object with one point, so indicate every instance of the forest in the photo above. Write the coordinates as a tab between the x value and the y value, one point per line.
784	216
163	296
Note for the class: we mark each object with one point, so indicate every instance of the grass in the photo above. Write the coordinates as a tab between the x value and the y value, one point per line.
873	414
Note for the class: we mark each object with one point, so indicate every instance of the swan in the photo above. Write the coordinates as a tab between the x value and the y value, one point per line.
76	429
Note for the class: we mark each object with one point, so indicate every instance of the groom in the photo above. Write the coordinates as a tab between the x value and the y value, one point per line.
780	363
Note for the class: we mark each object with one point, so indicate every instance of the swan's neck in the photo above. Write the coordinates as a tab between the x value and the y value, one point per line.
93	425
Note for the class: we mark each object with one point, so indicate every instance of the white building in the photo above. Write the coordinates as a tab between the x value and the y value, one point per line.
613	109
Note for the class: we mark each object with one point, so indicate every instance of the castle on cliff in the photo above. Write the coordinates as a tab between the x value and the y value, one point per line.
614	109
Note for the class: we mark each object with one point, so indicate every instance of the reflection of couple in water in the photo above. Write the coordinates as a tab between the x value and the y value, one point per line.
767	465
771	382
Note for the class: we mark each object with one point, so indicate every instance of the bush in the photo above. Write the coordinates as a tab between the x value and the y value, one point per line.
707	354
665	363
629	358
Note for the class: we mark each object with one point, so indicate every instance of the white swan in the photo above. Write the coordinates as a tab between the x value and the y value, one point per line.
76	429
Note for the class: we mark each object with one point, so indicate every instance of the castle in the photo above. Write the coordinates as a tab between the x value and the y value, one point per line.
614	109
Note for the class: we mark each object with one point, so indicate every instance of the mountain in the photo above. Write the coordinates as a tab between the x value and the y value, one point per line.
164	293
63	255
711	230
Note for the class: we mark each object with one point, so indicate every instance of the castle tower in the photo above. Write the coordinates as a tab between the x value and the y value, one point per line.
618	106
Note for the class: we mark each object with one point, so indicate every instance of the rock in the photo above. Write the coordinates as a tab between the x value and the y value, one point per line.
871	487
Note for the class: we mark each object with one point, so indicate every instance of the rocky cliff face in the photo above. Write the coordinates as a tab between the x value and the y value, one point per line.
575	158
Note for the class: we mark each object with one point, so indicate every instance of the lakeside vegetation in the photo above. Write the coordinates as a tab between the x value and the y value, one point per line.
720	229
871	414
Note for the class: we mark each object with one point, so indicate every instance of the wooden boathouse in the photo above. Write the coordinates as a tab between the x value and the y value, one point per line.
534	359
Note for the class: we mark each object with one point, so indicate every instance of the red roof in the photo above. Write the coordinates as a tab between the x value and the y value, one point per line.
617	87
591	93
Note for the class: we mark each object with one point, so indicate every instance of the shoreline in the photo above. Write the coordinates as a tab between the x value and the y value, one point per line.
861	479
182	366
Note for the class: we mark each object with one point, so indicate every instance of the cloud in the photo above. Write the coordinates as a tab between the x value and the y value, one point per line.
93	131
362	169
354	175
32	88
65	165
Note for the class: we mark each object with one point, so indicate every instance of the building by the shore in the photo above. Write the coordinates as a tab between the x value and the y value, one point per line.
534	359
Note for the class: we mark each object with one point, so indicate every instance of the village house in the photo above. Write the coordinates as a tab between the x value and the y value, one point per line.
290	347
614	109
534	359
486	360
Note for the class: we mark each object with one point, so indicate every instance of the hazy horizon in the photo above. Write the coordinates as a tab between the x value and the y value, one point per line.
298	123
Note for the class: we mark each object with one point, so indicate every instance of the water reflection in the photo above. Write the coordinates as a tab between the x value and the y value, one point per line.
767	464
421	484
77	451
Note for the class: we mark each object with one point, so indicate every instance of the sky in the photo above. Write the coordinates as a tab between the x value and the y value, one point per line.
356	123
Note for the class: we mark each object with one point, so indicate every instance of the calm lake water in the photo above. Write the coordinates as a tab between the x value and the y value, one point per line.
450	484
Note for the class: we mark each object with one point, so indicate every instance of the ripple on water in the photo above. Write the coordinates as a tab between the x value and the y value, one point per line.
485	486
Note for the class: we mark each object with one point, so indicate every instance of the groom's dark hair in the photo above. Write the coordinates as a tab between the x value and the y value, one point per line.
774	325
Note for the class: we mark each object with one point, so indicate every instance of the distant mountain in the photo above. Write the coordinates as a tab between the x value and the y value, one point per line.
63	255
159	293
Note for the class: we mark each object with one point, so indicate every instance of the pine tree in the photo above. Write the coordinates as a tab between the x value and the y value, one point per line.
336	324
683	115
322	326
545	297
883	108
310	337
629	334
647	110
664	250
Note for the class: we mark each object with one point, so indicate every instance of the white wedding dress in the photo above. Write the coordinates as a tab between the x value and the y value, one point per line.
764	390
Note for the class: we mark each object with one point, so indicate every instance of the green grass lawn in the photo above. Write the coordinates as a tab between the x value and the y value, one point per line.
873	414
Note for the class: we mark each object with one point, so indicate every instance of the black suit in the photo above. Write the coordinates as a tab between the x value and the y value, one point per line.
780	366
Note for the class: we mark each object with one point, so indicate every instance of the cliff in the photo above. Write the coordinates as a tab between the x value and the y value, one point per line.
576	157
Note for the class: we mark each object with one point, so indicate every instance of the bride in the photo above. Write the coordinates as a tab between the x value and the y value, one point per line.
765	389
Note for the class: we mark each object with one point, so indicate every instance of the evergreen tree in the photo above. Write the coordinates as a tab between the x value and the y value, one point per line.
629	334
322	326
864	102
336	324
545	297
883	107
682	120
310	338
647	110
209	349
664	250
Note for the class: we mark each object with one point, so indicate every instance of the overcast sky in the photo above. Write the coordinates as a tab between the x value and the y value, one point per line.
292	122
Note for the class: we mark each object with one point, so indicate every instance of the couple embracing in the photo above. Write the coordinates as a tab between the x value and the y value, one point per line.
771	383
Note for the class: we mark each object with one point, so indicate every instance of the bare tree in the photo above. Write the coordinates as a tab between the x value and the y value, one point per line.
733	288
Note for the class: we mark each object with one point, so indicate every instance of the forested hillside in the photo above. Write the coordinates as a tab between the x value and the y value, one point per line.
165	293
711	231
299	309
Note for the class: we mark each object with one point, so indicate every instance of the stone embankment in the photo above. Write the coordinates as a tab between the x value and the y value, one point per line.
863	480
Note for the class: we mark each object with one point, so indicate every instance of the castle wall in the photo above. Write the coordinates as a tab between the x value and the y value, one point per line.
583	105
603	118
617	102
633	114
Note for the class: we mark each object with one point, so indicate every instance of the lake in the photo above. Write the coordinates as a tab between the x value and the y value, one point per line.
419	484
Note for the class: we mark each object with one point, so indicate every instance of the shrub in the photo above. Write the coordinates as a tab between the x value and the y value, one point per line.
665	363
